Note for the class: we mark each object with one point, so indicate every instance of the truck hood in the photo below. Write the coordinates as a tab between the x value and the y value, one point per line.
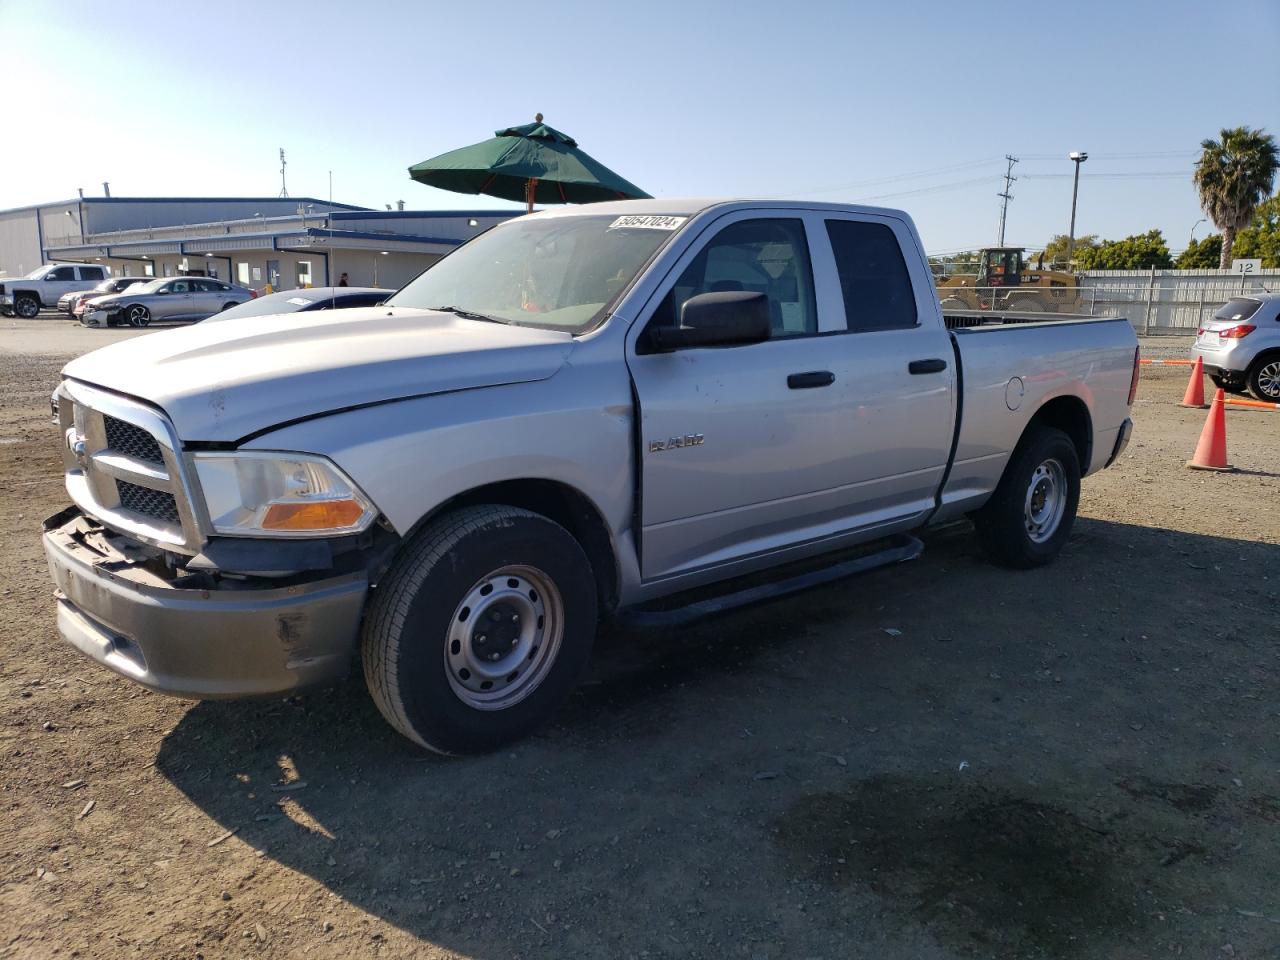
224	381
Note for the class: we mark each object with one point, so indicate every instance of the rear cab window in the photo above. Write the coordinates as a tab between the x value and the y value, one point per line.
874	281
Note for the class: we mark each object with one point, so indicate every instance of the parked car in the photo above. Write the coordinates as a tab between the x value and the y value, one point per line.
576	414
70	303
312	298
1240	346
167	298
44	286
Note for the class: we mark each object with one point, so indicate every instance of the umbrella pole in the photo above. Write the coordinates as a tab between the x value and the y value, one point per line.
530	189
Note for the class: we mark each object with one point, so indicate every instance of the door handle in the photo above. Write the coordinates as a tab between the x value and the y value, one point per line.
927	366
807	381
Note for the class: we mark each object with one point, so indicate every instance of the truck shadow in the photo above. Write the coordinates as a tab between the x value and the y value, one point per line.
711	789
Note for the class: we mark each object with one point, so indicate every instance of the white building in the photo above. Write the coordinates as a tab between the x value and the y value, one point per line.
284	243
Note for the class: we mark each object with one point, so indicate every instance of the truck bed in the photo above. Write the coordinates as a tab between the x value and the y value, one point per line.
1006	374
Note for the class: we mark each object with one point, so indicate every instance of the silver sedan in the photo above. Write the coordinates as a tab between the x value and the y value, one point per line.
166	298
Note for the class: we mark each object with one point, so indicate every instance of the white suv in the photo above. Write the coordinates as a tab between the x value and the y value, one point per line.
1240	346
43	286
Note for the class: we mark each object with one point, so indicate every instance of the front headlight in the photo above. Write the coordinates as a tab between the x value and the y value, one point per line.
268	494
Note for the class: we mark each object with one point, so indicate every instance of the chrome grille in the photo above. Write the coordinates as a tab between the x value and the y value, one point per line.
149	503
124	467
132	440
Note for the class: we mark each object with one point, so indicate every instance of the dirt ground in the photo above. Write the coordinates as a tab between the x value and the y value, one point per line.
936	760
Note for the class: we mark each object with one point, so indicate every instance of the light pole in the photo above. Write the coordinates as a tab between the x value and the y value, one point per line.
1077	157
1193	230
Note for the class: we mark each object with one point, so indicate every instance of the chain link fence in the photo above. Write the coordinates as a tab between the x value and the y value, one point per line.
1156	303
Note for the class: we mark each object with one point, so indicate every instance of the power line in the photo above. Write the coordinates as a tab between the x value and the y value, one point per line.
896	178
1139	175
919	191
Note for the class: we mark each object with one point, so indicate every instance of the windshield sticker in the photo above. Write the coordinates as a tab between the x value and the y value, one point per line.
637	222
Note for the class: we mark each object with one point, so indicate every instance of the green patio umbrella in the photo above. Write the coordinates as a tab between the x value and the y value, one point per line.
533	163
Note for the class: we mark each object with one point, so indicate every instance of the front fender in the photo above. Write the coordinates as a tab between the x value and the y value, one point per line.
412	456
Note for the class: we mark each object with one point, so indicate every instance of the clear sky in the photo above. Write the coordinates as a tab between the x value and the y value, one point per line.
905	104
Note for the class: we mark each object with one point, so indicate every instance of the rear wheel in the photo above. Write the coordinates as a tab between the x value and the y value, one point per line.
1264	379
26	306
480	629
137	315
228	306
1028	518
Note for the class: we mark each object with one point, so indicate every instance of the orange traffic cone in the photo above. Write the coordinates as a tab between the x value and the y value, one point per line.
1211	451
1194	397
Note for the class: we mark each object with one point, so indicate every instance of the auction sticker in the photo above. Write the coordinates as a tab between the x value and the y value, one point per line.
637	222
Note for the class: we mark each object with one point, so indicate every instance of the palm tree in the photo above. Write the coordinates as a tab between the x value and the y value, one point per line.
1233	176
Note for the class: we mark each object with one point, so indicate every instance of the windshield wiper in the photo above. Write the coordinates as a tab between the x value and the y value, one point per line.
469	315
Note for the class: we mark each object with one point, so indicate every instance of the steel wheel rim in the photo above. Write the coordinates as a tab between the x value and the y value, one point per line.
1269	380
1046	501
504	637
26	308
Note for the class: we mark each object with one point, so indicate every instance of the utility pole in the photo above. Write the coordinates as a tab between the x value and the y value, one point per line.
1009	179
284	191
1077	157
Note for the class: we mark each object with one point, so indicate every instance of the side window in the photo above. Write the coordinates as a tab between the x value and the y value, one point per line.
764	256
873	276
203	286
92	273
180	286
61	273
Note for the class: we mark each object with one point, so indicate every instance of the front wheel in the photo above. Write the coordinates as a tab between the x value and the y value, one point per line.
26	306
1028	518
137	315
1264	379
480	629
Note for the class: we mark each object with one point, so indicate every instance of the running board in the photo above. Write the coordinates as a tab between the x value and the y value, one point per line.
898	549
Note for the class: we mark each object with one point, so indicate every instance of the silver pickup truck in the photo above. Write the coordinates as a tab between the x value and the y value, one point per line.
572	417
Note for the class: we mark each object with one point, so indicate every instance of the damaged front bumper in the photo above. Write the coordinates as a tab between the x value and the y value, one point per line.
198	635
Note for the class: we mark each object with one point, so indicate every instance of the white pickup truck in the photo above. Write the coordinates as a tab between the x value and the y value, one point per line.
44	286
573	416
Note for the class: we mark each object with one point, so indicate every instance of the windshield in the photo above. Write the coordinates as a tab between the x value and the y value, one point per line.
286	301
151	286
1237	308
36	274
554	272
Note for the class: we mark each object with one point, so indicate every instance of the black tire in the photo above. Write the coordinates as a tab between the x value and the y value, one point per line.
1005	523
26	306
228	306
1264	378
416	622
136	315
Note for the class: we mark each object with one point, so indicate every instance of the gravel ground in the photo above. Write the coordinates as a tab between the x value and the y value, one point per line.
936	760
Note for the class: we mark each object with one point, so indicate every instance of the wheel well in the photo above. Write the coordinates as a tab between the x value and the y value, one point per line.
28	293
1071	416
556	501
1265	355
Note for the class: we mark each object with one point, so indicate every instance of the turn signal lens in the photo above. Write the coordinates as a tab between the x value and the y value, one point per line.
319	515
1238	331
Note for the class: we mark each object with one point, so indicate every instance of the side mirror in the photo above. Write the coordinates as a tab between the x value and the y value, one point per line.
719	319
162	290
